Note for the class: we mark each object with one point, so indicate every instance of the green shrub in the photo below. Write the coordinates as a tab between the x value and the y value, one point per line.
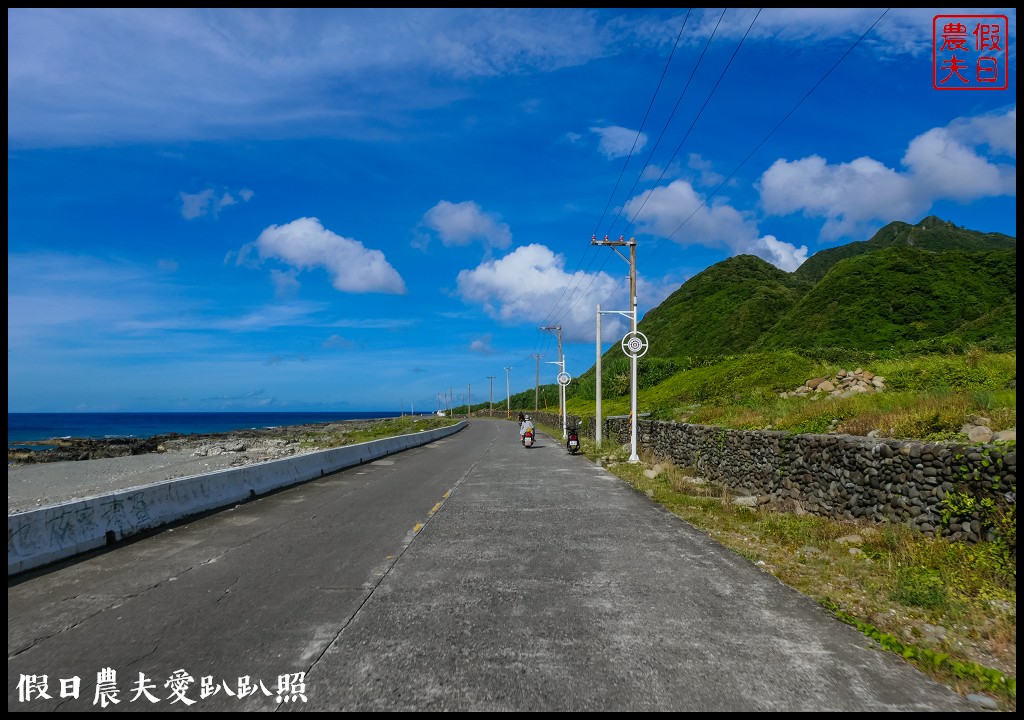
920	587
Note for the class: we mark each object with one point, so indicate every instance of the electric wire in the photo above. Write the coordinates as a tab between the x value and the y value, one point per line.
713	193
774	129
622	172
806	95
678	100
567	288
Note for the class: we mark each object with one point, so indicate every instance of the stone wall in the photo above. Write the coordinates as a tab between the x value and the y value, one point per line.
838	476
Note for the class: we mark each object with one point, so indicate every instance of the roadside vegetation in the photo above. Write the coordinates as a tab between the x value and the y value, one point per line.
930	309
926	397
948	608
349	433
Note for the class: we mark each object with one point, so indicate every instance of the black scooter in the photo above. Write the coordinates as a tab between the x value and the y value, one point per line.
573	443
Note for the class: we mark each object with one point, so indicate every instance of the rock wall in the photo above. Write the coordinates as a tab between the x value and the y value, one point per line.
838	476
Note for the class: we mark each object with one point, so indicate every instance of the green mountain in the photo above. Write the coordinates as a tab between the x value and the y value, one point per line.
723	310
910	290
908	287
929	234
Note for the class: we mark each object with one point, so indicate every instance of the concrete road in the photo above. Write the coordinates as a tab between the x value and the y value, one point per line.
470	574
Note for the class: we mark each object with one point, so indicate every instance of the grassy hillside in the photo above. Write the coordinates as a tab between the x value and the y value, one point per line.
886	300
911	288
929	234
722	310
930	307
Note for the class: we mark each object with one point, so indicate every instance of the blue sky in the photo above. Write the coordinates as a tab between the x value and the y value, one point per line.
370	209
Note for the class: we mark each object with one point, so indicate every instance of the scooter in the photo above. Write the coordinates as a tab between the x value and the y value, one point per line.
573	443
528	438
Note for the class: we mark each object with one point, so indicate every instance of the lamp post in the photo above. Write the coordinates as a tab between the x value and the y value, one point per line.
508	395
632	347
561	371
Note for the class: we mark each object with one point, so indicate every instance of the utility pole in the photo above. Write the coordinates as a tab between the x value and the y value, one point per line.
508	395
561	369
469	400
597	382
536	385
490	411
613	244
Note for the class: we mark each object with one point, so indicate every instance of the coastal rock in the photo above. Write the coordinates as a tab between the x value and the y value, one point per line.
251	445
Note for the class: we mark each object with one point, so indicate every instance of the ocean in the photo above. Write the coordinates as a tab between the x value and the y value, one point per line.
25	427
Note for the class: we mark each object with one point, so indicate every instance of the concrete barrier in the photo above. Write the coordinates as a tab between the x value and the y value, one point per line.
39	537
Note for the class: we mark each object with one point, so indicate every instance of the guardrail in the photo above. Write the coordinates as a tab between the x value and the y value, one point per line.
39	537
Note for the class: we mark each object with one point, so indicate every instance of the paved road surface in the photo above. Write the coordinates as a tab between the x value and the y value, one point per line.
470	574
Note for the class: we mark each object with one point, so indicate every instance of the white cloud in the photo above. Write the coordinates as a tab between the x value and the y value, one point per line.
898	30
304	244
706	175
525	286
848	195
997	131
945	162
209	202
482	345
286	282
942	163
199	73
678	212
782	255
337	341
195	205
616	142
463	223
187	73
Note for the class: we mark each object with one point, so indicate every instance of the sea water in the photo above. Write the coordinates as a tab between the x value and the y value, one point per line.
36	427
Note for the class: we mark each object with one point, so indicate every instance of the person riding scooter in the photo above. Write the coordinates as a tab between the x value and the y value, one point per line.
527	424
572	443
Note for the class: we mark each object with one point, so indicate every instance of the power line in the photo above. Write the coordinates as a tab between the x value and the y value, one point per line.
774	129
625	163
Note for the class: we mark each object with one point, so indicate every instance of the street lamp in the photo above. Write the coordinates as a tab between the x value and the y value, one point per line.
508	395
633	344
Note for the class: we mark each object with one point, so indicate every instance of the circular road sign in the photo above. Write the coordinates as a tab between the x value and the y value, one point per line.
634	344
563	378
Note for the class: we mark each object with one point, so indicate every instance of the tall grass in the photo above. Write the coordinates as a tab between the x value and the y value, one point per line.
949	608
926	397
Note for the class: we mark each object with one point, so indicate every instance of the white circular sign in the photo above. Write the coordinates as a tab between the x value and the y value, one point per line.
634	344
564	378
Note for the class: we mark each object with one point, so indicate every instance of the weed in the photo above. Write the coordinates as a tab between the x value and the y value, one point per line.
948	608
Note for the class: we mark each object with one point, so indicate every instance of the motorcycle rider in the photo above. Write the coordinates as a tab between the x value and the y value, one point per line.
527	424
571	435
